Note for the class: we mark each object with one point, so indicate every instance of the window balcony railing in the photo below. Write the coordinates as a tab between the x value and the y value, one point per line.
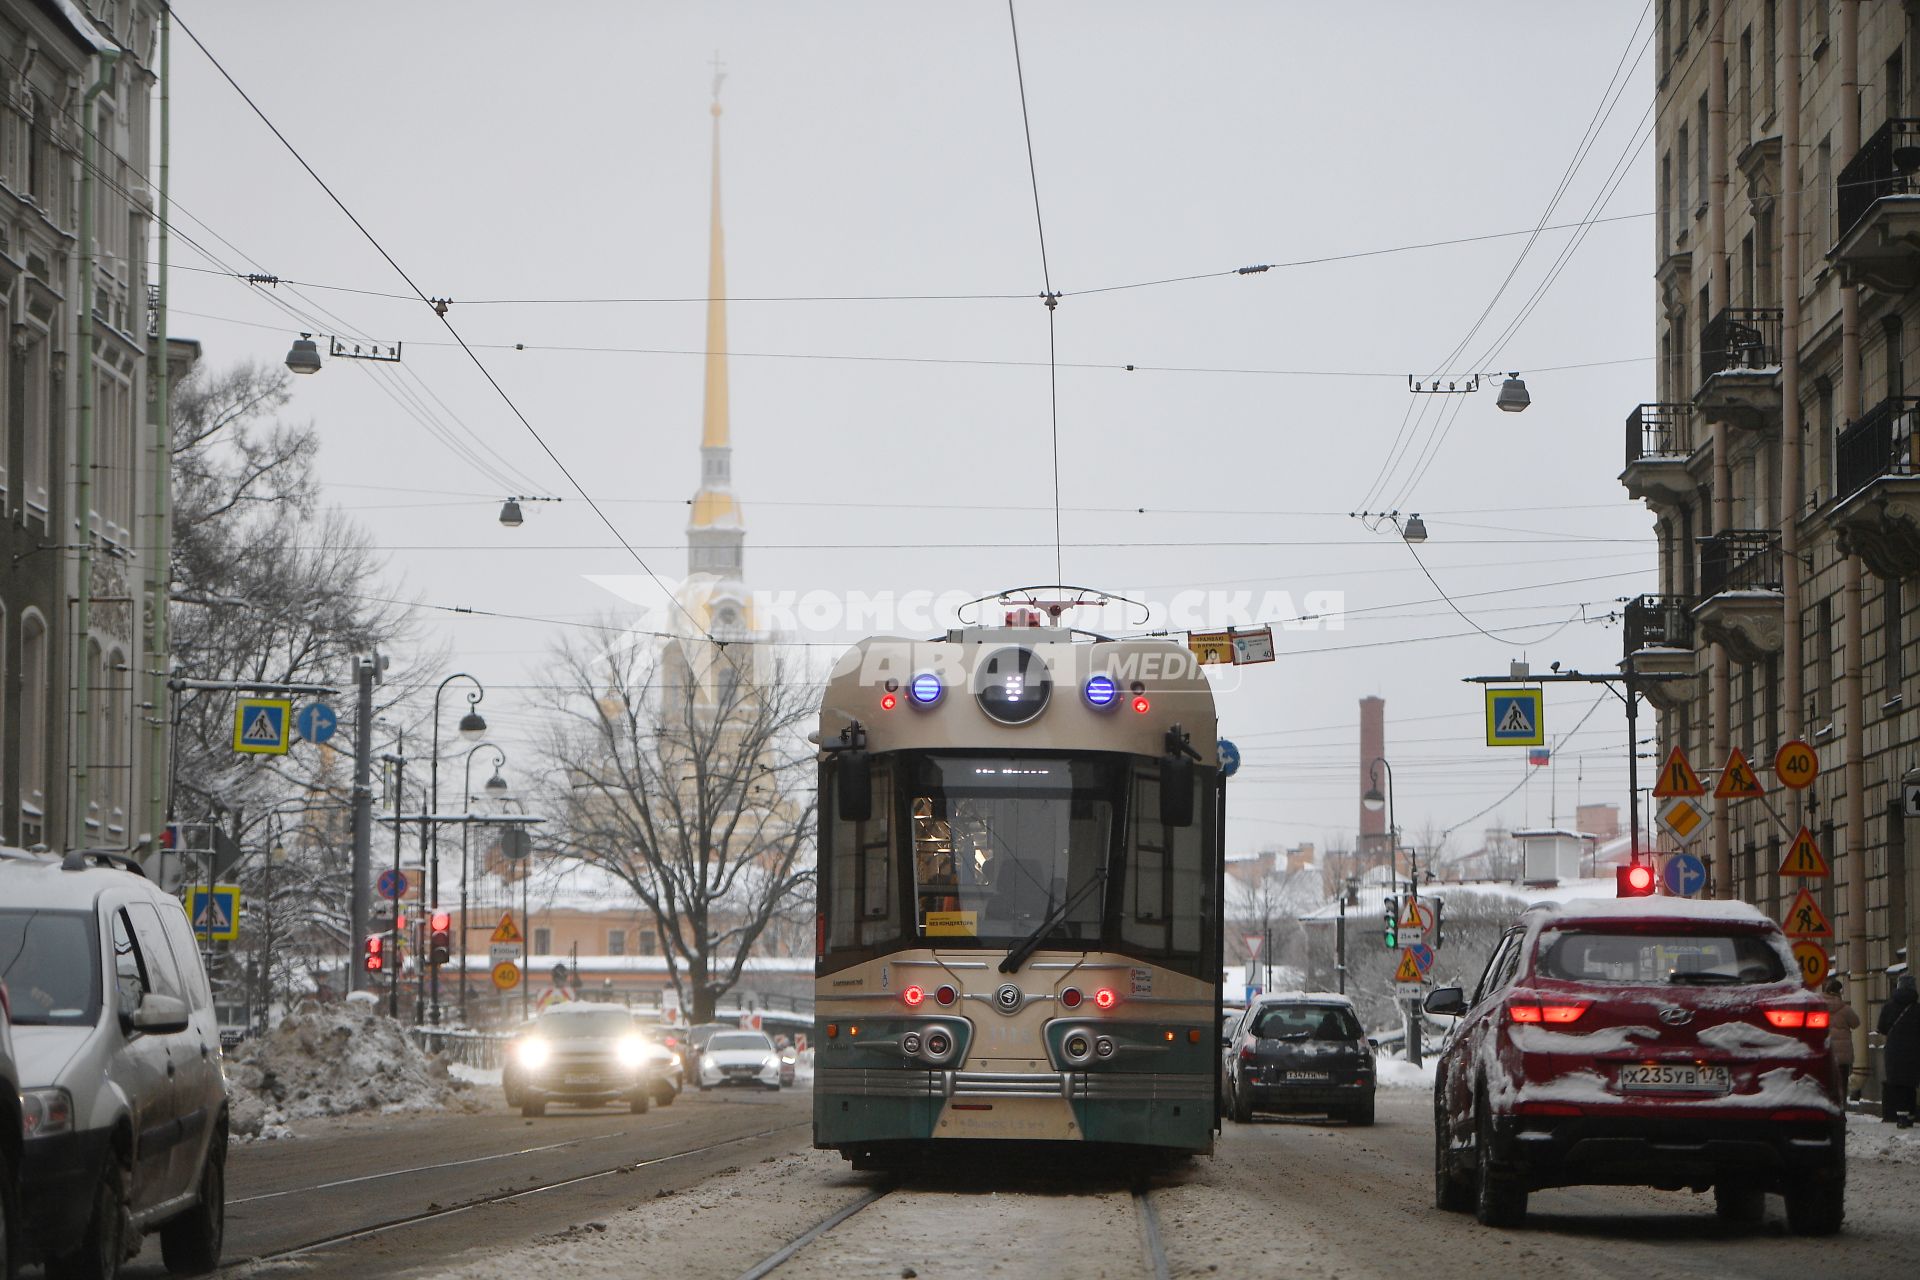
1740	338
1878	443
1659	622
1740	560
1887	164
1656	431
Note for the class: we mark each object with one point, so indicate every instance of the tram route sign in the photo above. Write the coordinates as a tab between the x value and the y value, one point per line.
1255	645
1212	648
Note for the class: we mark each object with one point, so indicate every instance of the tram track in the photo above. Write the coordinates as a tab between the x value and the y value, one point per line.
438	1213
1146	1214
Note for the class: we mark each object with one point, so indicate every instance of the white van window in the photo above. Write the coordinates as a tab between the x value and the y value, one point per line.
186	953
163	976
129	966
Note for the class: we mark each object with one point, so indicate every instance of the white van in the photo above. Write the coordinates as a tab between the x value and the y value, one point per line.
123	1100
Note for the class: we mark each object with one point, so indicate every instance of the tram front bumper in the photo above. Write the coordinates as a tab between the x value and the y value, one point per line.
1093	1086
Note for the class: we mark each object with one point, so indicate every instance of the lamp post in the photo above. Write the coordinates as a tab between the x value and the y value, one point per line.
473	727
497	789
1373	799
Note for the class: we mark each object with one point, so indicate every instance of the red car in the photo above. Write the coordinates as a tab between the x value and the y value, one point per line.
1657	1042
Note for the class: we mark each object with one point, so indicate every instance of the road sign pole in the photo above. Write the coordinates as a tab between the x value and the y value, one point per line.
362	877
1633	766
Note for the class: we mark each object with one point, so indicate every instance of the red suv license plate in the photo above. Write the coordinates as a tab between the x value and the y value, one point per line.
1674	1077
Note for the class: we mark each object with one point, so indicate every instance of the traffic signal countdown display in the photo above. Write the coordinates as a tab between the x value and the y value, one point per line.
440	937
374	957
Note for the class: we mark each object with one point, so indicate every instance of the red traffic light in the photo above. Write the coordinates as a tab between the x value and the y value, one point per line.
1633	882
441	921
439	940
375	960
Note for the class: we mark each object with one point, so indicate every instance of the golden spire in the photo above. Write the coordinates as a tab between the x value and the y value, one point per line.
714	427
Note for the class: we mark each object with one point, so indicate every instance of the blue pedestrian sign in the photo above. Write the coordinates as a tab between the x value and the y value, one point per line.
214	911
1515	718
1229	759
316	722
1684	875
260	726
393	884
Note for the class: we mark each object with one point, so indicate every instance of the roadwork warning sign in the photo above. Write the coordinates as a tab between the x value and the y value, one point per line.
1677	778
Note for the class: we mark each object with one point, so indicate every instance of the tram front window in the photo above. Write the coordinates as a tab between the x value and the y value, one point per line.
1002	842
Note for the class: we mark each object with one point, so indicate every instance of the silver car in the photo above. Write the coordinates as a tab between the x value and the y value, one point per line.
123	1104
739	1058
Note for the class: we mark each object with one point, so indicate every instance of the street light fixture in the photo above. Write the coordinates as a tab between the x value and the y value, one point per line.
473	727
1513	397
510	514
496	786
304	356
1415	530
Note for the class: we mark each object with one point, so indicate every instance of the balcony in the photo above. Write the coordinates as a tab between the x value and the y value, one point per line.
1879	210
1656	471
1878	513
1740	368
1659	642
1740	600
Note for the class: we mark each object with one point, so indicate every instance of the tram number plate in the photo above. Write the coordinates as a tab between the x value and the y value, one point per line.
1674	1077
1308	1077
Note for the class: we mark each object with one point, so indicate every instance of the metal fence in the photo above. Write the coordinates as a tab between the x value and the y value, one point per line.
1657	431
1658	622
1740	338
1740	560
1884	166
1879	443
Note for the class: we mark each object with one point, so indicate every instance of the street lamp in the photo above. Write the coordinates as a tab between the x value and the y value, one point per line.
473	727
1513	397
510	514
497	788
304	356
1415	530
1374	800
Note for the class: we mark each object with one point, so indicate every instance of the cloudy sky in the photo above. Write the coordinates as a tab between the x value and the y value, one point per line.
547	169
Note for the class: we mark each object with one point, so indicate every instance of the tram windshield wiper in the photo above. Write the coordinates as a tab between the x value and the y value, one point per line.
1031	943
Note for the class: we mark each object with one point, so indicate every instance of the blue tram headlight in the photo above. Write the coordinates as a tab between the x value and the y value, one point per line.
1100	692
926	689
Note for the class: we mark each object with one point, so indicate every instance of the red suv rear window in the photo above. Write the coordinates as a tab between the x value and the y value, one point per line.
1710	957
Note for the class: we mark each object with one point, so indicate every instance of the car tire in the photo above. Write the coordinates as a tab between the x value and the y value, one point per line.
103	1245
1451	1192
639	1102
190	1244
1362	1113
533	1107
1241	1108
1816	1203
1737	1200
1500	1198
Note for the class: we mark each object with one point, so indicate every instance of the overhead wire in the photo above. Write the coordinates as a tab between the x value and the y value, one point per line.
1051	299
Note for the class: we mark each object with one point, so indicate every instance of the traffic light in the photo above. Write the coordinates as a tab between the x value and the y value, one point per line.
1392	913
374	957
1635	881
1439	906
440	940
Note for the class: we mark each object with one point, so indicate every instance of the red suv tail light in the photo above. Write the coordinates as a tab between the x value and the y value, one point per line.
1560	1013
1795	1019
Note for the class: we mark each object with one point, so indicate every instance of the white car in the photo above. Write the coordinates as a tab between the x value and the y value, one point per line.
123	1103
742	1058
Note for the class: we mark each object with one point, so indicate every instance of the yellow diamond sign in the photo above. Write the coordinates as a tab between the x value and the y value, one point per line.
1683	818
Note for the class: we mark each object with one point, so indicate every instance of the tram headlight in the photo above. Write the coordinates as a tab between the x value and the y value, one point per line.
1077	1046
1012	685
1100	692
937	1045
925	689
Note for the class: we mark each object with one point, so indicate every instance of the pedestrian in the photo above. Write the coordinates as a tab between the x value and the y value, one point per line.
1840	1024
561	992
1900	1027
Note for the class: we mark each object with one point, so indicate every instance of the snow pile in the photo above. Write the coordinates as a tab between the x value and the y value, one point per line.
330	1060
1871	1138
1398	1073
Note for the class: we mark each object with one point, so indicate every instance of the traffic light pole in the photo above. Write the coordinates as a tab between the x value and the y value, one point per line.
362	877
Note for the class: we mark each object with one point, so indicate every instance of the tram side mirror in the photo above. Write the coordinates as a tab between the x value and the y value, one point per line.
1176	791
855	787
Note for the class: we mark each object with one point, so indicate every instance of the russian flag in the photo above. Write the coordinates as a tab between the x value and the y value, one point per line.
1538	755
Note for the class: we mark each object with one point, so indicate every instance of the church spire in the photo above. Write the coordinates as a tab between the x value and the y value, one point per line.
715	530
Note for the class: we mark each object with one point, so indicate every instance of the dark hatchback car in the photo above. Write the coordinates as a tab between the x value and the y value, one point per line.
1299	1053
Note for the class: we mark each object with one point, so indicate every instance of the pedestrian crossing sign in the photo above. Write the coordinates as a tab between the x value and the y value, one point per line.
214	911
260	726
1515	719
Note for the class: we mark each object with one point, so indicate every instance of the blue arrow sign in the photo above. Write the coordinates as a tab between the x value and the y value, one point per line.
1229	759
393	884
316	722
1684	875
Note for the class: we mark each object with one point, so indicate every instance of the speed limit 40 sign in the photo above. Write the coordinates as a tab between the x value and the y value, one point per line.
1795	765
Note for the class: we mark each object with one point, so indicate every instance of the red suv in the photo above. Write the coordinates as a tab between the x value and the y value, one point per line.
1654	1042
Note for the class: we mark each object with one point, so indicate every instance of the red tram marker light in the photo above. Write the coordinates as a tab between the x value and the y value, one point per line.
913	996
1141	705
1104	998
888	702
1070	998
946	995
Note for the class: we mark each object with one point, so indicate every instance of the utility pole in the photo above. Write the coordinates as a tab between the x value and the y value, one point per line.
362	886
399	762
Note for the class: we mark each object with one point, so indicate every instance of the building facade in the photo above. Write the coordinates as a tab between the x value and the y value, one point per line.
83	473
1778	458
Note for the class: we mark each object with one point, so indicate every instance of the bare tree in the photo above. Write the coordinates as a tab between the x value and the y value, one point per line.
688	780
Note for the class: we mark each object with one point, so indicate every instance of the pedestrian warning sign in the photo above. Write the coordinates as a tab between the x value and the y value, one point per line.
1805	919
215	911
1409	970
1804	858
1515	719
506	930
1677	777
1738	780
260	726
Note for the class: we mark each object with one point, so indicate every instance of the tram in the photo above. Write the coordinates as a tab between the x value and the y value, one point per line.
1019	932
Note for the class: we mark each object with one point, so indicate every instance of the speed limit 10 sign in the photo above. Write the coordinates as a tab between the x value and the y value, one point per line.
1795	765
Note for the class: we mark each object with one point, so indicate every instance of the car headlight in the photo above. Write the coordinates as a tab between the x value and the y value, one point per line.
534	1053
632	1051
45	1112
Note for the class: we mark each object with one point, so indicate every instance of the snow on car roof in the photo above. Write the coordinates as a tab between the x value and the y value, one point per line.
1659	908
